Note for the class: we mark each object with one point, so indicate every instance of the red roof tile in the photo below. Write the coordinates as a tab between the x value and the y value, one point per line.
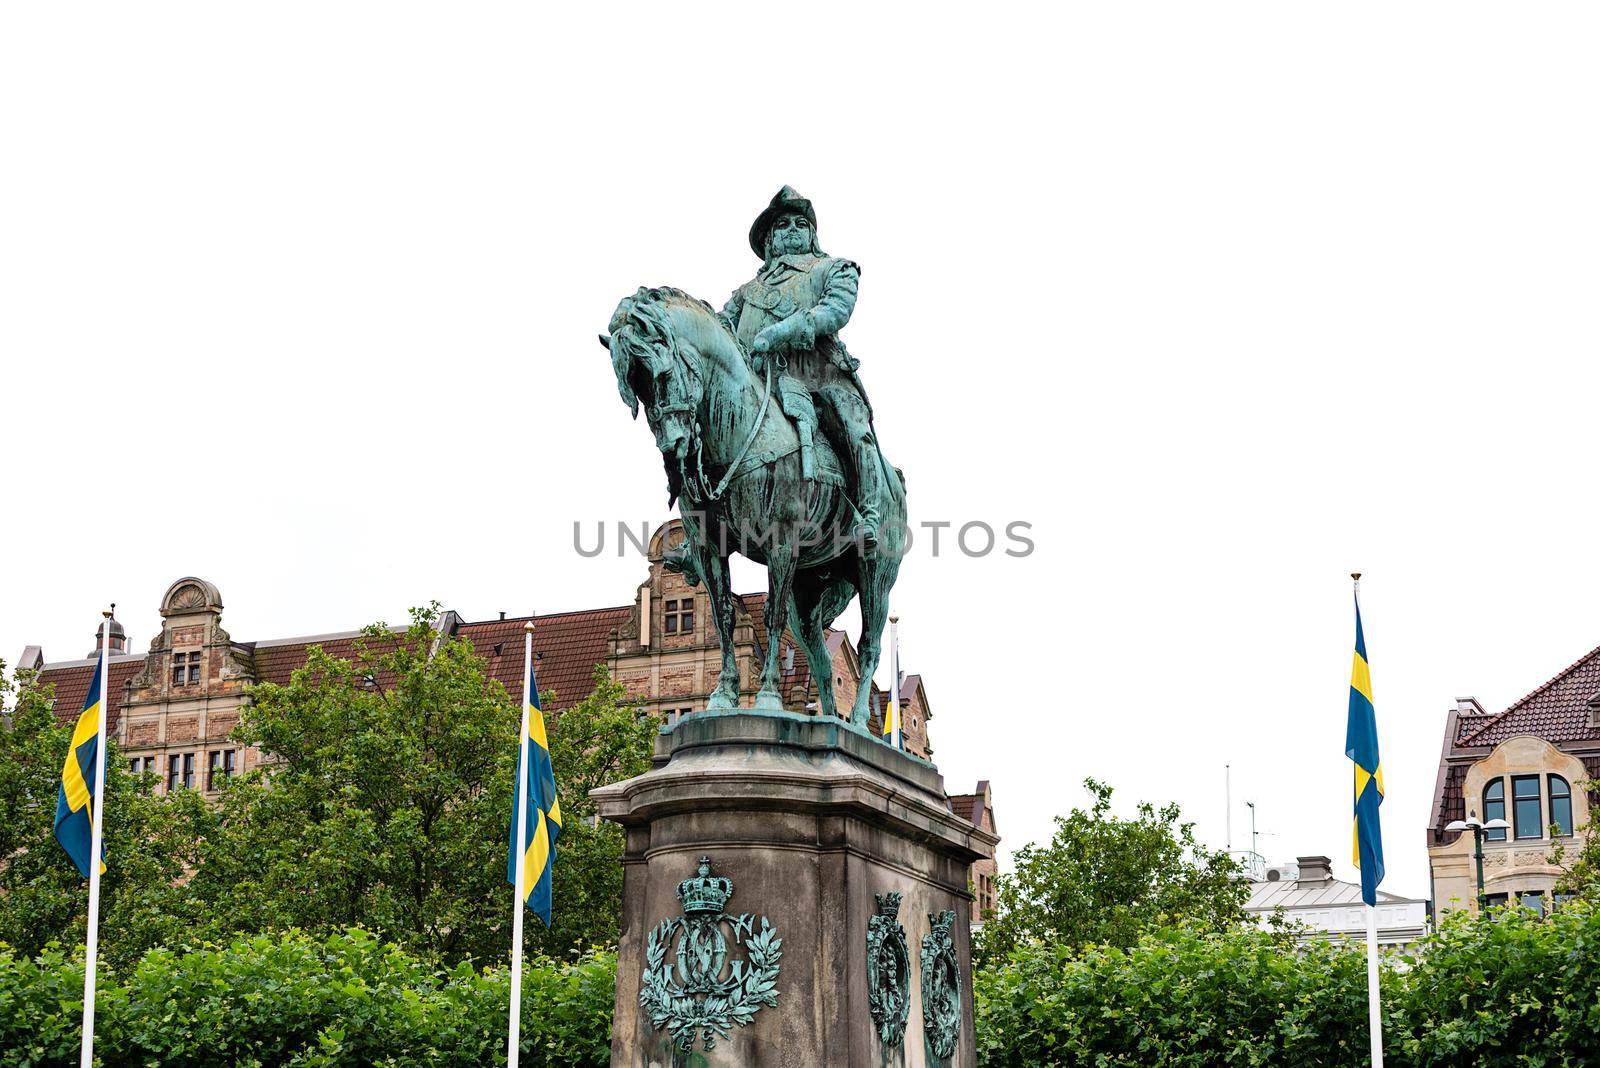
1558	711
71	683
566	647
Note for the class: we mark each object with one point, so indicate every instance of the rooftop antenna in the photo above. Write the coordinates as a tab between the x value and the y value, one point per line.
1255	836
1227	803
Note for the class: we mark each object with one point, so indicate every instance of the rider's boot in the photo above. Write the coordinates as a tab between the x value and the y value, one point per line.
808	452
869	490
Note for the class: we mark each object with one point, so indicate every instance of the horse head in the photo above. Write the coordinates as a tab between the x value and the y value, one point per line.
652	370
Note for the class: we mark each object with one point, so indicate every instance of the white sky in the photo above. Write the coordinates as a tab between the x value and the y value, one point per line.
1226	300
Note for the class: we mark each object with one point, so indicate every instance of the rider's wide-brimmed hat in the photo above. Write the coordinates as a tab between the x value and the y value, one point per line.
787	202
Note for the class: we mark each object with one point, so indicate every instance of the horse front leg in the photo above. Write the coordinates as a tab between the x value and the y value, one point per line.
714	569
780	590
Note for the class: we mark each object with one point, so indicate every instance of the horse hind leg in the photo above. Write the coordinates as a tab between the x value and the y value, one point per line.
819	597
878	573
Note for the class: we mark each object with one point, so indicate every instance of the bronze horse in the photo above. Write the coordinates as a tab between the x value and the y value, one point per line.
733	469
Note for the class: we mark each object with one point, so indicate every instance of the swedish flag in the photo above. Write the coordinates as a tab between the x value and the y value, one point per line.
543	812
1361	746
892	727
76	799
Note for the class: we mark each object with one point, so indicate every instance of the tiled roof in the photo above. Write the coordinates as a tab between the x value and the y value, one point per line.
71	681
1557	711
970	807
276	662
1452	804
566	645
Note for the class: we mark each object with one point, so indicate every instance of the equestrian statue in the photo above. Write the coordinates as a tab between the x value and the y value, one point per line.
769	447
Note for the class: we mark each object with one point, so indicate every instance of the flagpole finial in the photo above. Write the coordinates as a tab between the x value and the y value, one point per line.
111	612
528	626
894	619
1356	575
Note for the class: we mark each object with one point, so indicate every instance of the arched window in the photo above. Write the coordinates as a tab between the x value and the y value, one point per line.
1494	808
1560	805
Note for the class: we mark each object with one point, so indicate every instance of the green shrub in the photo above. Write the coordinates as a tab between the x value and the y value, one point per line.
1508	989
293	1000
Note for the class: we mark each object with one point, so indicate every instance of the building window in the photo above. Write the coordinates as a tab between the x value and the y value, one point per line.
185	668
1494	808
1525	806
220	769
679	616
1560	806
1532	900
180	771
1495	900
142	766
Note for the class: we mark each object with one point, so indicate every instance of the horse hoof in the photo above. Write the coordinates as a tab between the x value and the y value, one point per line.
768	701
721	702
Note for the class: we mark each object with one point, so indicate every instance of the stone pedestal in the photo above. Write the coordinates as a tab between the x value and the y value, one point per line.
808	821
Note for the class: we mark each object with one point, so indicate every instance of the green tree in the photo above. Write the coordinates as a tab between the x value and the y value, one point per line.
385	798
150	841
602	739
1581	877
1102	880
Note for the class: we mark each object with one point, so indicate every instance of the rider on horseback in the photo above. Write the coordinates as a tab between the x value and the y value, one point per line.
791	312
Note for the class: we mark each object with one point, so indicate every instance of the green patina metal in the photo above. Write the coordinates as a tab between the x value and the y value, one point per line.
769	446
888	970
700	994
941	987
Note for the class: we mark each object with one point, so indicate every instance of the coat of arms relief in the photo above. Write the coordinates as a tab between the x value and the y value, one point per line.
701	994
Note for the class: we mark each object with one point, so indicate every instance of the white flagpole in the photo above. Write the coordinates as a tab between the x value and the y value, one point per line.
513	1041
894	678
1374	1007
96	844
1374	1010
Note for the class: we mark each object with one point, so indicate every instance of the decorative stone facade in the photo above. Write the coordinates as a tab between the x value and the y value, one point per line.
1524	765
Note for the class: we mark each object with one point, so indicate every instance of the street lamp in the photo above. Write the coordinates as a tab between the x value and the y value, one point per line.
1477	827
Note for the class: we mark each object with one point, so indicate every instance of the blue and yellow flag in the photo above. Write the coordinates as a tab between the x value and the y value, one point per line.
544	813
1361	746
891	719
76	799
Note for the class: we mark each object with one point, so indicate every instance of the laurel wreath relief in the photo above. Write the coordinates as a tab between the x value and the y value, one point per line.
735	1000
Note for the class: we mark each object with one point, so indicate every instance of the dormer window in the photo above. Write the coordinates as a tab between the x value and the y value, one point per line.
186	668
678	616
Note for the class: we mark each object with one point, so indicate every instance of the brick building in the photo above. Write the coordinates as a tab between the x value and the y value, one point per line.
978	807
172	708
1523	765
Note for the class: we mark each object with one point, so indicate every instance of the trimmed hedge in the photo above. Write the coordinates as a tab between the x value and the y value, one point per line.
1511	989
294	1000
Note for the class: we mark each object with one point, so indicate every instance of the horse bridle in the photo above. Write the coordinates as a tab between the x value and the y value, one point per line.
656	321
